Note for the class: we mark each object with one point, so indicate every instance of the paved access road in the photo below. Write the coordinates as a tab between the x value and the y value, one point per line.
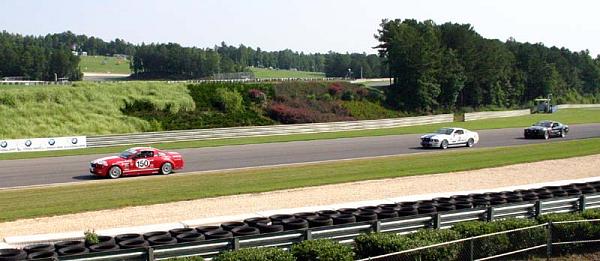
42	171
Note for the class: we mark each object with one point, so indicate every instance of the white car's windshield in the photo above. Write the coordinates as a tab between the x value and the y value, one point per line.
546	124
127	154
446	131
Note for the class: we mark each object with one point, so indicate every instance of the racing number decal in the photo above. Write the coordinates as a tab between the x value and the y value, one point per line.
142	163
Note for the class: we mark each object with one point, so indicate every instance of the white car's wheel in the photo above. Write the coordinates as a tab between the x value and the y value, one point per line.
166	168
470	143
563	134
444	144
115	172
546	135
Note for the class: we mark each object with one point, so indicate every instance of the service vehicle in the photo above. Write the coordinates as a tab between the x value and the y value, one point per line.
450	137
137	161
546	129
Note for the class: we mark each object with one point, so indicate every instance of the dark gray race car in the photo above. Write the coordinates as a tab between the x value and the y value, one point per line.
546	129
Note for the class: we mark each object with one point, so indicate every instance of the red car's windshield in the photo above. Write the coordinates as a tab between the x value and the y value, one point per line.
127	154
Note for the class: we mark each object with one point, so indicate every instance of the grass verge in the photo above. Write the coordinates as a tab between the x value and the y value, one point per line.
570	116
74	198
104	64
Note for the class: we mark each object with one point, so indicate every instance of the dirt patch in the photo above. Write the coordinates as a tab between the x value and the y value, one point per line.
520	174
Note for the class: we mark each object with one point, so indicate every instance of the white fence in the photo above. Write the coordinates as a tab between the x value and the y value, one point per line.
43	144
471	116
239	132
578	106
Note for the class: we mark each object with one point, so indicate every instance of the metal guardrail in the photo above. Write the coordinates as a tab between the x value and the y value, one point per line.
255	131
471	116
246	80
347	232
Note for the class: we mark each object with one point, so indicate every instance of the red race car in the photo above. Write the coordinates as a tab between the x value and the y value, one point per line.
137	161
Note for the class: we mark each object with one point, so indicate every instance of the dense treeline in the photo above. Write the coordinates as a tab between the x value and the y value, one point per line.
175	61
171	60
37	58
449	66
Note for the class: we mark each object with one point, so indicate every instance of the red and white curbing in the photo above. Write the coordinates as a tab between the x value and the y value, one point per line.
20	241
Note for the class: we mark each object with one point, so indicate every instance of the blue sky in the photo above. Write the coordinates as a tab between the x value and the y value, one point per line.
306	25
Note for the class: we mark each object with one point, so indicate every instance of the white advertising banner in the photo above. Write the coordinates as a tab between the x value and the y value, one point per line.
43	144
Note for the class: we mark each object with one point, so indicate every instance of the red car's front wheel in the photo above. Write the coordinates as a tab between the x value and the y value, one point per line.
166	168
114	172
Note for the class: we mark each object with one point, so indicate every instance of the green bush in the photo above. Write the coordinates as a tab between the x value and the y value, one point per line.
348	96
256	254
591	214
427	237
363	110
501	243
325	97
323	250
568	231
228	101
91	237
375	244
595	226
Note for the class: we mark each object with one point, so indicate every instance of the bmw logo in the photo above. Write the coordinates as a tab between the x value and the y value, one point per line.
28	143
74	140
3	144
51	142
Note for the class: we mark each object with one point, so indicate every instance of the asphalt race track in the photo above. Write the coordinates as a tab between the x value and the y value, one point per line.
14	173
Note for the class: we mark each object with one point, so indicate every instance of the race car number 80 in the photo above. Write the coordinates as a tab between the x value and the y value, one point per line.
142	163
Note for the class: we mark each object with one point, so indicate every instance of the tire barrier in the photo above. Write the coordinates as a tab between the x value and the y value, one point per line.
189	237
133	243
43	255
228	226
156	233
277	219
69	243
319	221
265	228
103	247
299	221
179	231
12	254
205	229
124	237
217	234
245	231
294	223
39	248
161	240
255	220
72	250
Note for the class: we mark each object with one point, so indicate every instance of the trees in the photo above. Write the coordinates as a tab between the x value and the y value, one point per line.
440	67
37	58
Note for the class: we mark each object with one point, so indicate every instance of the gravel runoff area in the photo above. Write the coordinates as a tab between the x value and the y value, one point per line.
513	175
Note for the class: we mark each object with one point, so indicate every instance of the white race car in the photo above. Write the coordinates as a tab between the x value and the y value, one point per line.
447	137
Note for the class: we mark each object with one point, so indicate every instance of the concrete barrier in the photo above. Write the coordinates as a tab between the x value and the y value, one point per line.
471	116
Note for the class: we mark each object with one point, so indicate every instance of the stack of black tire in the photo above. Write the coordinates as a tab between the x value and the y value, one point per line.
286	222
